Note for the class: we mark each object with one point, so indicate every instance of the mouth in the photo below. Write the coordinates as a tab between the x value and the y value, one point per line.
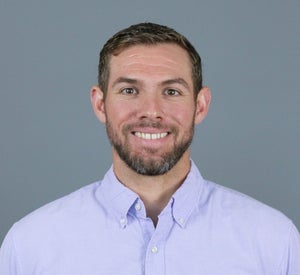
150	136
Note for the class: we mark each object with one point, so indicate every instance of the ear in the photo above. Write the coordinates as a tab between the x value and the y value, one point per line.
97	100
202	104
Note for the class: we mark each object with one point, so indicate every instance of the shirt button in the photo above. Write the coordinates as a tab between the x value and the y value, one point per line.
137	207
122	221
154	249
181	221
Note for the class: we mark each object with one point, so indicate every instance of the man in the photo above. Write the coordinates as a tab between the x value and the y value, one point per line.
152	213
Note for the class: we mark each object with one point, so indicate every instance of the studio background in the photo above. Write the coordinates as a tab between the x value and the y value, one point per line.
51	143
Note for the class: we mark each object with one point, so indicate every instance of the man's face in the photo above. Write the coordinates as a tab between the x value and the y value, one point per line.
150	107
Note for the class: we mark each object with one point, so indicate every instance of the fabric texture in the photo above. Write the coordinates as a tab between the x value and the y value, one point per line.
102	229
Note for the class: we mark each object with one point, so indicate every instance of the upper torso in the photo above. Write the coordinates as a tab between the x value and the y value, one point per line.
103	229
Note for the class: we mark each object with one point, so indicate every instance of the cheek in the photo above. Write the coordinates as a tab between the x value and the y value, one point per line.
183	115
119	113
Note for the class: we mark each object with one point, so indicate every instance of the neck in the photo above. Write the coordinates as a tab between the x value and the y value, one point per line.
154	191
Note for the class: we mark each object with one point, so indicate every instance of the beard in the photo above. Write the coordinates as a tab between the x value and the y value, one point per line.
149	166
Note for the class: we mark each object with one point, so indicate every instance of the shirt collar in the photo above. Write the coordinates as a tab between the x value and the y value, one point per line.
188	196
118	199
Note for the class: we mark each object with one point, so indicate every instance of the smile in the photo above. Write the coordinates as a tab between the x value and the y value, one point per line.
150	136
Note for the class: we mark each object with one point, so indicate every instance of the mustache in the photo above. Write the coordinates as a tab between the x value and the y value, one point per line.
145	124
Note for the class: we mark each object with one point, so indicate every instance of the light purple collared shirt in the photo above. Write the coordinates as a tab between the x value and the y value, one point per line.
102	229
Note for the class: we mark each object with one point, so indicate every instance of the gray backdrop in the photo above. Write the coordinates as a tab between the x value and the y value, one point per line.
51	143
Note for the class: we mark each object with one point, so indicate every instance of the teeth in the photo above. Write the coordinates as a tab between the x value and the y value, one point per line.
150	136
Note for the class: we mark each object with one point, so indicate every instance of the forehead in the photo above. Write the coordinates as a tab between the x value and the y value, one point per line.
154	60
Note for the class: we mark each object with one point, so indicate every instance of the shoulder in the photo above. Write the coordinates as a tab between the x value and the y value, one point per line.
244	211
230	204
265	231
234	204
42	234
63	211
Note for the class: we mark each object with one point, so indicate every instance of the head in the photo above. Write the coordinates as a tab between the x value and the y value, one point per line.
149	96
146	34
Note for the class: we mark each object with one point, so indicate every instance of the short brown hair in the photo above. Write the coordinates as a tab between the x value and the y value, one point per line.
146	34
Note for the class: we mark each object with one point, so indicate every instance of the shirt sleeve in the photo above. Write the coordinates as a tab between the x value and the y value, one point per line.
291	262
9	264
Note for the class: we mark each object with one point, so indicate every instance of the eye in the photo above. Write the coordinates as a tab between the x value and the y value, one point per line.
128	91
172	92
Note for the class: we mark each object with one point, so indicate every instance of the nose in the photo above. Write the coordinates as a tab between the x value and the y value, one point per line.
151	107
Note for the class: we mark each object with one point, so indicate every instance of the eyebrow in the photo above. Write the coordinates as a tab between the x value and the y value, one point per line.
178	80
124	80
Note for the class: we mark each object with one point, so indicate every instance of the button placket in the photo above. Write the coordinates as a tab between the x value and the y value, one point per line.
155	256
